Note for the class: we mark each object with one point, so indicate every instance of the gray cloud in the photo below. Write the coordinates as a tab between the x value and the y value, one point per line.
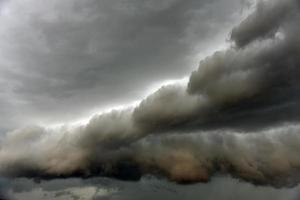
265	157
65	59
263	23
190	132
148	188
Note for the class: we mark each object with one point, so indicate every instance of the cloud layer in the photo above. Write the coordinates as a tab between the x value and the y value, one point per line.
237	114
61	61
148	188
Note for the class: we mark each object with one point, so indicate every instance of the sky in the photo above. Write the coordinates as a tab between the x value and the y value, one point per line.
117	99
62	62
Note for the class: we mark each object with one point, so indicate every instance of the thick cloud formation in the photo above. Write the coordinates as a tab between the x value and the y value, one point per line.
189	132
263	23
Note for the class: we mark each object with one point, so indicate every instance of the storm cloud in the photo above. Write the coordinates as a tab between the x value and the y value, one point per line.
64	61
237	114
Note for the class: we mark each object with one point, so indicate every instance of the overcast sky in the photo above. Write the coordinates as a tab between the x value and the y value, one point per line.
62	61
97	94
148	188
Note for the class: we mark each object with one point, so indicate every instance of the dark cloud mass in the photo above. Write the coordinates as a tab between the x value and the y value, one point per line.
238	114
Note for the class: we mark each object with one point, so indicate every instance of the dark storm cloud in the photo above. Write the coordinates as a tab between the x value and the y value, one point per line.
264	22
253	83
64	59
265	157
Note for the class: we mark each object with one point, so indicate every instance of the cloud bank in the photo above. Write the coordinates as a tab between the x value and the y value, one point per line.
238	114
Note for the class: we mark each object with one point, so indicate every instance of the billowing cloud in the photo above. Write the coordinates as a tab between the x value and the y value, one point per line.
263	23
238	114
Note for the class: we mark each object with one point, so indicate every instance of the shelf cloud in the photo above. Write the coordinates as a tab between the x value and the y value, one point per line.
238	114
